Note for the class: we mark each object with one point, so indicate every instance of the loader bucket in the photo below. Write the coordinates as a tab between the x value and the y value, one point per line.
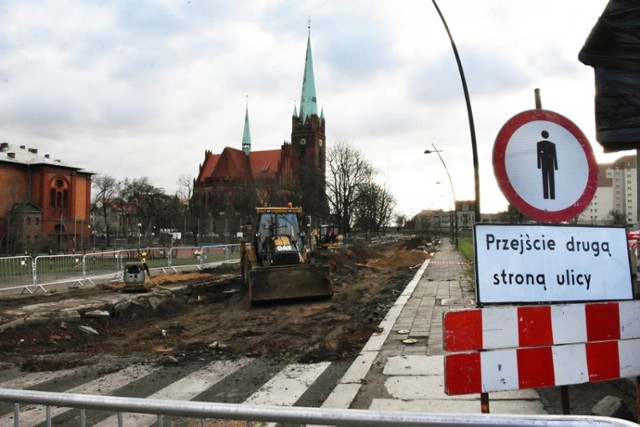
290	282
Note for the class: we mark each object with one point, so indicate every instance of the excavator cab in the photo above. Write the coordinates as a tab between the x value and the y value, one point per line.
279	240
278	263
329	237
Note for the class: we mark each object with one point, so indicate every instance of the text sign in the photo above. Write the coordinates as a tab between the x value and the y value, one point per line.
546	263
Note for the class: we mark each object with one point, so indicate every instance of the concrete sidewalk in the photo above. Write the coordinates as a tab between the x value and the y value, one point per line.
391	374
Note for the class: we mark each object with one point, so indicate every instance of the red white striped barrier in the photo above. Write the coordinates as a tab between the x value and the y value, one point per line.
540	346
533	367
532	326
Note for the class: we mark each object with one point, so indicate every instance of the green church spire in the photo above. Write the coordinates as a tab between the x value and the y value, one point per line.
308	103
246	134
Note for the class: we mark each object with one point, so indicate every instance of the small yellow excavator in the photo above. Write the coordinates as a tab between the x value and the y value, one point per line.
328	237
277	259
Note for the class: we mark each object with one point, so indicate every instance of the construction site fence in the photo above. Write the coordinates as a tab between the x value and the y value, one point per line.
32	274
158	410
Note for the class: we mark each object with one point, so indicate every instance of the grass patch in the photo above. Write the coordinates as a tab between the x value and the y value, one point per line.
465	246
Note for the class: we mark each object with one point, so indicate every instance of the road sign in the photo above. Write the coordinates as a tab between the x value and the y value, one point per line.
545	166
533	263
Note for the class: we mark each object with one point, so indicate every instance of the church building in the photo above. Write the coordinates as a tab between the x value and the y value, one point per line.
232	183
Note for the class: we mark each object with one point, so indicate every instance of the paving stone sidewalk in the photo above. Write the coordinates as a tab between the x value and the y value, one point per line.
392	374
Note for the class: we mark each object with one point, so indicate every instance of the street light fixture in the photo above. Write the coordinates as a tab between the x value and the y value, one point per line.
453	193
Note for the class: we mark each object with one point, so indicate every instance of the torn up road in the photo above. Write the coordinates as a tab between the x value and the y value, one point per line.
207	315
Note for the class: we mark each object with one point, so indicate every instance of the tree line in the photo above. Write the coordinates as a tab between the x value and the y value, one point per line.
136	209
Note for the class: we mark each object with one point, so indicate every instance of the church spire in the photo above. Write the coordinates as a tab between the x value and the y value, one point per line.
308	104
246	134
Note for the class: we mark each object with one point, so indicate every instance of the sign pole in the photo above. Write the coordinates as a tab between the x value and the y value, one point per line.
536	92
484	403
638	400
564	389
564	395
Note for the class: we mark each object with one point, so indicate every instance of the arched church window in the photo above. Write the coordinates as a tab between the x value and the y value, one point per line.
59	193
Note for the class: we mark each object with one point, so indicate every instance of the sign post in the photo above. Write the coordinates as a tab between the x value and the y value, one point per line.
546	169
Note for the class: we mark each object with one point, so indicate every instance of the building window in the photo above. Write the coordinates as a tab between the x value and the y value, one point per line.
59	194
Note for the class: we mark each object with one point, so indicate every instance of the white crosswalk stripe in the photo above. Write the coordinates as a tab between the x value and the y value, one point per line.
29	380
32	415
185	388
284	388
287	386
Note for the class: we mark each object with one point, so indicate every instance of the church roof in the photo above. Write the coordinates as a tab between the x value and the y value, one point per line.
308	102
264	164
235	164
206	169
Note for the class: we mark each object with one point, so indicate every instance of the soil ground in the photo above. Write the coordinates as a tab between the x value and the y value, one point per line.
211	317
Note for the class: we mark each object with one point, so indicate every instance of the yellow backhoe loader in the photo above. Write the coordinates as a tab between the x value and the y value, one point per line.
277	259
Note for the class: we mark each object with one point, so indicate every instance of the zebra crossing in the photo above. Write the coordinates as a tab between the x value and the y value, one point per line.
246	380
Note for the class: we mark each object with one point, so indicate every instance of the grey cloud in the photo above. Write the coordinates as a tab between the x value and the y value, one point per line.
485	73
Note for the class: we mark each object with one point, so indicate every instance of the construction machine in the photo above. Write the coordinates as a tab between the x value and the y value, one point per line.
328	237
277	258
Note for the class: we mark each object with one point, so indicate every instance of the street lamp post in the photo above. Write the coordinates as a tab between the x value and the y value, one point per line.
472	128
453	193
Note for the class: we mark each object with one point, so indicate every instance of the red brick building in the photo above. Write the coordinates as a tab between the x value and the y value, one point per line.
231	184
45	203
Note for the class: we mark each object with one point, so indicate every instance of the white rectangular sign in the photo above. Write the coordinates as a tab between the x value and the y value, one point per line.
547	263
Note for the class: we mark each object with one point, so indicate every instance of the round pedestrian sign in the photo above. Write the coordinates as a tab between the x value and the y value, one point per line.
545	166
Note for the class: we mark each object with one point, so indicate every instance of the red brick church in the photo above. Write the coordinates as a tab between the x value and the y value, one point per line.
231	184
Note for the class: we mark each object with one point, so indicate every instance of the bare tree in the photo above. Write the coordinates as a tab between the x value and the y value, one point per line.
423	222
185	188
348	171
617	218
374	207
147	199
107	189
400	221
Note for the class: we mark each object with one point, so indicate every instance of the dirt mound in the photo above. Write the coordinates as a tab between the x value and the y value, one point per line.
411	259
354	255
415	243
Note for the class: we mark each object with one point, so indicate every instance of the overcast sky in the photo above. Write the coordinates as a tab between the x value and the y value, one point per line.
135	89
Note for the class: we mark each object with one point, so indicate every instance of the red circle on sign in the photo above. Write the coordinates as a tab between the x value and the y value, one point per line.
506	186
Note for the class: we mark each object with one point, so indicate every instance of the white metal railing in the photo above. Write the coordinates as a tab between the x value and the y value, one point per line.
28	274
16	272
281	414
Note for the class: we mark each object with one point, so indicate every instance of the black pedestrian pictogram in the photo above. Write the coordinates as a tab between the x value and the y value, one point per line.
548	164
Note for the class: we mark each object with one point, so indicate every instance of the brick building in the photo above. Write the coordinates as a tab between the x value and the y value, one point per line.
231	184
45	203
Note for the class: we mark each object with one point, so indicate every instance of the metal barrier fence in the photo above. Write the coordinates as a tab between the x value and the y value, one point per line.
203	411
16	272
32	274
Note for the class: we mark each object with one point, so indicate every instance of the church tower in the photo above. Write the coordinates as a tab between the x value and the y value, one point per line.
308	143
